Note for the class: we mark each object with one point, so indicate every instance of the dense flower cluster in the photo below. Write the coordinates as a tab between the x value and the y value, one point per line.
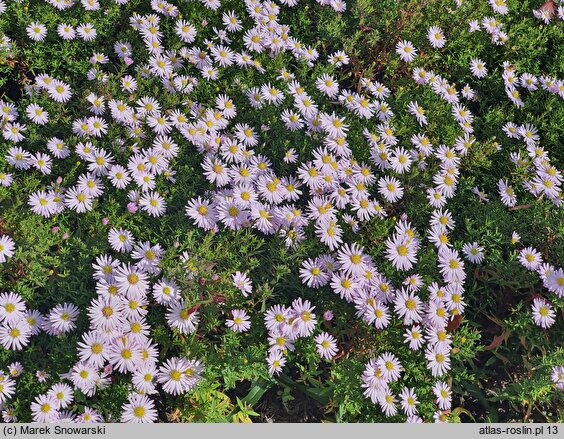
326	190
118	338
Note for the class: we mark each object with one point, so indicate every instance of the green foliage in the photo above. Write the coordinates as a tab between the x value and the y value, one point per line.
54	256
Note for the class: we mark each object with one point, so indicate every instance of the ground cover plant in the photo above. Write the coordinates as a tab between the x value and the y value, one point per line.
268	211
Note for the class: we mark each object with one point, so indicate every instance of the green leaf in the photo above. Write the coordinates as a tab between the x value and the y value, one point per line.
257	390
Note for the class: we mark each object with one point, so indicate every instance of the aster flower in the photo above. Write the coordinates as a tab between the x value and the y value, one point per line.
240	321
408	305
181	317
499	6
514	96
59	91
276	316
193	370
35	321
43	409
125	355
280	341
451	266
13	131
138	409
438	360
443	393
414	337
121	240
41	376
131	280
276	362
436	37
441	417
408	401
37	114
313	274
172	376
557	377
185	31
506	193
166	291
36	31
63	317
334	125
351	259
147	256
7	246
86	31
242	282
93	350
413	282
153	203
326	345
15	370
6	179
304	319
454	298
7	388
418	111
233	215
78	199
144	379
387	402
473	252
62	394
390	188
478	68
15	336
344	285
401	252
376	313
105	267
327	84
66	31
389	366
555	282
106	313
271	94
543	313
406	50
530	258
